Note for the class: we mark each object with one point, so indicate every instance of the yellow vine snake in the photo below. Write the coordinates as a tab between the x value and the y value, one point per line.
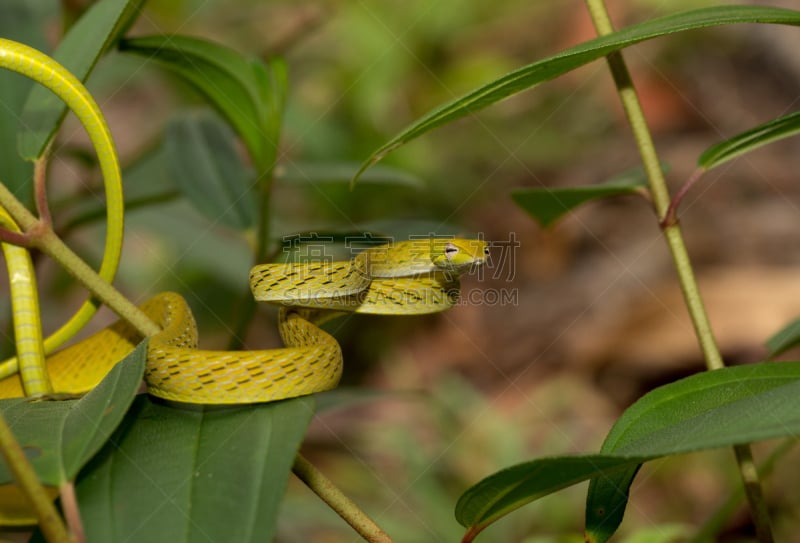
408	277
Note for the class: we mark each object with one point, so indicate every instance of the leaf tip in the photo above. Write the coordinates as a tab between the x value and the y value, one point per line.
367	164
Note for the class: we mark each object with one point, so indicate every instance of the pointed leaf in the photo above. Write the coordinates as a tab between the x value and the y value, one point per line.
777	129
201	155
244	92
561	63
509	489
785	339
548	205
79	51
61	436
708	410
193	475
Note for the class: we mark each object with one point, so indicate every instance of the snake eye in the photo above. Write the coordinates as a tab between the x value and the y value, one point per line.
486	251
450	251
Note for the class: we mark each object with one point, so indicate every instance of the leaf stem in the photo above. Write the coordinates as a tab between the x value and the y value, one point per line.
49	521
674	238
40	189
671	216
336	500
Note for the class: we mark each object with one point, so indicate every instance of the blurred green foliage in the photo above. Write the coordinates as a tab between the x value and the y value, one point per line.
359	72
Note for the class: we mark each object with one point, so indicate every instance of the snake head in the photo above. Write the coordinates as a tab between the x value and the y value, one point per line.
459	255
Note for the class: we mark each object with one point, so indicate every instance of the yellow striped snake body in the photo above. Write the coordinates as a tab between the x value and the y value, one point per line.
310	293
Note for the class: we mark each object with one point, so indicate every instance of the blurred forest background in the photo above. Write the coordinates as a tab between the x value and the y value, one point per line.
598	318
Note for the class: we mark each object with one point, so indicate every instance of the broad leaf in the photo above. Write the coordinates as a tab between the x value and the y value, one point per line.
247	93
566	61
777	129
548	205
193	475
61	436
719	408
509	489
785	339
78	52
713	409
201	156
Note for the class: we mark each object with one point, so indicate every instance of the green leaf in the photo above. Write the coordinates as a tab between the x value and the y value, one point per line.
712	409
342	172
200	152
719	408
273	82
91	36
61	436
193	475
774	130
507	490
549	68
548	205
249	94
21	21
785	339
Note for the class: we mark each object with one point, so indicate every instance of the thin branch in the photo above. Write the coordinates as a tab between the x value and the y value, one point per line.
674	238
754	493
44	239
49	521
40	190
336	500
19	239
712	527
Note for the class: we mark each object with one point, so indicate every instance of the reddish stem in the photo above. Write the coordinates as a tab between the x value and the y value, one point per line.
671	216
40	190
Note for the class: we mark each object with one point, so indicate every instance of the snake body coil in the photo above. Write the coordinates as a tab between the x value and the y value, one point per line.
312	359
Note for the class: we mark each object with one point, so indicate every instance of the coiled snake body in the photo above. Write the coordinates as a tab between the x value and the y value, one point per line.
410	277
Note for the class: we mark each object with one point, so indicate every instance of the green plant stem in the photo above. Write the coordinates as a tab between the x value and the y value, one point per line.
755	496
49	243
708	532
49	521
336	500
674	237
43	238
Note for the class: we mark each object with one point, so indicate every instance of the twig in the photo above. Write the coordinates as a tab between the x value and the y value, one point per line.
43	238
674	238
708	532
49	521
336	500
40	190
